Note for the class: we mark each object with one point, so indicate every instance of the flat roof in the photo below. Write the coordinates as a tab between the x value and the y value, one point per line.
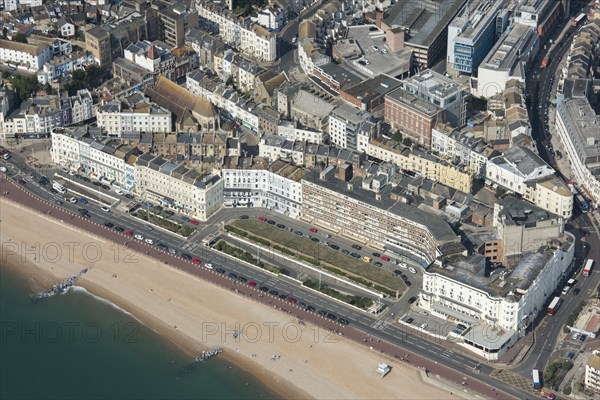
426	19
403	96
583	126
373	87
509	48
439	228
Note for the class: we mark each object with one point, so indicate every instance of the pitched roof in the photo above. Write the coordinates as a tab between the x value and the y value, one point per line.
169	95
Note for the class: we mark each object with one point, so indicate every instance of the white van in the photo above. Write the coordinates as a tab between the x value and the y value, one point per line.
59	188
566	289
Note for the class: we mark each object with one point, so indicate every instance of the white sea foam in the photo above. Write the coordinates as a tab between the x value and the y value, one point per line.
80	289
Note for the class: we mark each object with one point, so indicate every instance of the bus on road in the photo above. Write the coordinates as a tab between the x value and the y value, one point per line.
537	385
579	19
583	205
554	305
587	269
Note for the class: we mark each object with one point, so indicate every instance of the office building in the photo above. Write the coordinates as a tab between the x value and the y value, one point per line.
471	35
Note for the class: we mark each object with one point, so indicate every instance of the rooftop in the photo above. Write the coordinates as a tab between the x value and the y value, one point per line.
374	87
309	103
425	19
403	96
439	228
474	17
507	51
23	47
583	126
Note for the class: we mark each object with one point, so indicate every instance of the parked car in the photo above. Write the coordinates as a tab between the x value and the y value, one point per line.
271	222
244	217
385	258
149	241
262	219
194	222
138	236
280	226
195	260
334	246
356	246
409	320
313	230
186	257
185	219
412	300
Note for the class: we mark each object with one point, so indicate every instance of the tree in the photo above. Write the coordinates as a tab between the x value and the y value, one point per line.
407	142
20	37
397	136
24	86
229	81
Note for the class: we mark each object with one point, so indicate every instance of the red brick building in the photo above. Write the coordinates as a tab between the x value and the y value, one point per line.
413	117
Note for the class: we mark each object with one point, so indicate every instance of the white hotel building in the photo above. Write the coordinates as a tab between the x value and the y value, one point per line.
100	158
175	186
31	56
578	128
240	33
276	187
117	117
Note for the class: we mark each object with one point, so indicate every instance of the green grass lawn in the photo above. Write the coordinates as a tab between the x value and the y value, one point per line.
165	223
315	253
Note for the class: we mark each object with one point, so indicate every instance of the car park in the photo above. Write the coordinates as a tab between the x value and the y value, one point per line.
186	257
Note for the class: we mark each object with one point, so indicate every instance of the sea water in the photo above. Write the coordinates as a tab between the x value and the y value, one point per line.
76	346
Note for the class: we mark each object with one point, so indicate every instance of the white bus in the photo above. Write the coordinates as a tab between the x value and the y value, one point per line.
59	188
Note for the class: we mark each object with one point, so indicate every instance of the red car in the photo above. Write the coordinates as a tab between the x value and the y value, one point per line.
129	234
195	260
385	258
194	222
291	300
251	284
313	230
262	219
549	396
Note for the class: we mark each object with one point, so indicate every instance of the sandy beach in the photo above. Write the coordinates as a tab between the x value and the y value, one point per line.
310	362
